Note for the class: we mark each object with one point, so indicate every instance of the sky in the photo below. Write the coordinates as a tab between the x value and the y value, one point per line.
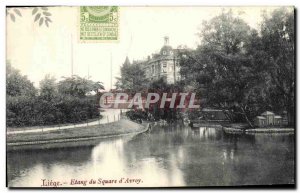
39	50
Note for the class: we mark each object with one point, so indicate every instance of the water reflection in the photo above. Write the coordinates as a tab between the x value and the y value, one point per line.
207	133
167	156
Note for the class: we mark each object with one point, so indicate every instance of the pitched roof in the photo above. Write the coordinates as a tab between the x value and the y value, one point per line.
260	117
268	113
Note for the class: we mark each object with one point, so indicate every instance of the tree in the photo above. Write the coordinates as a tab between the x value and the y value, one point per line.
16	84
132	78
220	69
20	98
48	88
160	87
71	105
77	86
47	101
96	86
278	51
242	71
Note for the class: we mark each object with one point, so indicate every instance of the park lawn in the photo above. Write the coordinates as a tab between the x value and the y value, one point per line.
109	129
48	126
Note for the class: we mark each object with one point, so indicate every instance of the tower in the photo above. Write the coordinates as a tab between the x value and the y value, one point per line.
166	38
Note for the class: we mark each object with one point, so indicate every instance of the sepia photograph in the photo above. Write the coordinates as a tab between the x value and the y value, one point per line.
150	96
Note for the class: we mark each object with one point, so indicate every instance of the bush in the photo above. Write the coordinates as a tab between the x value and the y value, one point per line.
31	111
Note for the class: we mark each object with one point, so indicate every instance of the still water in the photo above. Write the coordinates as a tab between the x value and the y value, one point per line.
165	156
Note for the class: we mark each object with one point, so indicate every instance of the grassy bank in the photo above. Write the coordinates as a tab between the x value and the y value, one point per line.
109	129
9	129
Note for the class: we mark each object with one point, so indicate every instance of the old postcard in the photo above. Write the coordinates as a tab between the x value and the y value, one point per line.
156	96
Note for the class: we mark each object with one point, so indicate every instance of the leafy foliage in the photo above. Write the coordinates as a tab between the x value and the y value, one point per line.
41	14
278	48
77	86
241	71
132	78
16	84
55	103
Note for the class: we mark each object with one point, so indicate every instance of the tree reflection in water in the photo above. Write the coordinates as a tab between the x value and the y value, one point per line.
170	155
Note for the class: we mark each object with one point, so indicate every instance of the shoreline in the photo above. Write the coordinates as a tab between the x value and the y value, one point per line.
106	116
241	128
14	129
78	137
270	130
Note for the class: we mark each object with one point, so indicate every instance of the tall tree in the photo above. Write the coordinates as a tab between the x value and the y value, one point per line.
132	78
221	69
48	88
20	98
242	71
278	47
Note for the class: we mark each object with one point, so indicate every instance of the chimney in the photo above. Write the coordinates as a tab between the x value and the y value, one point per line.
166	38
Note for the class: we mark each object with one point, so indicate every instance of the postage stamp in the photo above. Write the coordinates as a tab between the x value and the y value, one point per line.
99	24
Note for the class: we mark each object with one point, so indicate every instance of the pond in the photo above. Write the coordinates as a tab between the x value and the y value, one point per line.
169	155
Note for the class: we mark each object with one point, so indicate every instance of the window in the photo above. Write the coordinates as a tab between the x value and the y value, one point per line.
164	69
164	52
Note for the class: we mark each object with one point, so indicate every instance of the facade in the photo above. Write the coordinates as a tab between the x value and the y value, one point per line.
277	120
268	119
164	64
260	121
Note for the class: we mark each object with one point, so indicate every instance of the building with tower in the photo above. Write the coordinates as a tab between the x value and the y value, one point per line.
164	64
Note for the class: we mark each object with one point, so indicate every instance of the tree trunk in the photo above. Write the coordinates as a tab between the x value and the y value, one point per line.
228	115
291	117
246	117
290	112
